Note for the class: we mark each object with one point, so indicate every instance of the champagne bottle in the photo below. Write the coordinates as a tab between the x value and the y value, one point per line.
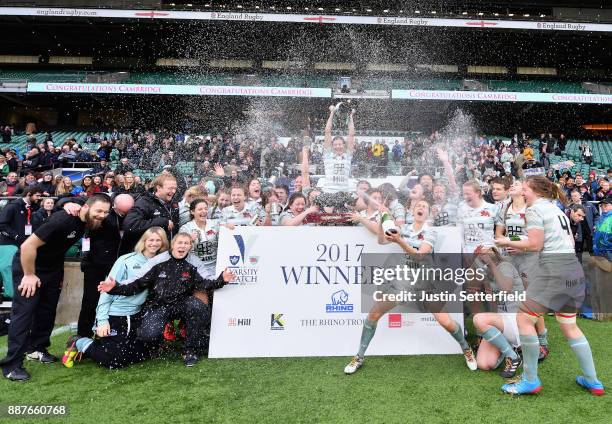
388	224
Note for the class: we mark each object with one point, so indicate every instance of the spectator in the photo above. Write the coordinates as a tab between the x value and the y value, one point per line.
67	156
129	185
602	240
105	246
47	184
31	160
43	213
150	210
397	152
528	153
11	160
591	212
108	185
83	156
587	153
124	166
604	190
4	167
15	227
11	187
66	189
576	214
104	150
6	134
102	168
87	186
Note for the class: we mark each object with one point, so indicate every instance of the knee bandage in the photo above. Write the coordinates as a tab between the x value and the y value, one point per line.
565	318
533	317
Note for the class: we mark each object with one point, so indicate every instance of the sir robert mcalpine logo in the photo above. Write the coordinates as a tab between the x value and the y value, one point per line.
245	266
339	303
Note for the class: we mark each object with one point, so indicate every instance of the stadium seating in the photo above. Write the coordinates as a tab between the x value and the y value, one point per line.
602	151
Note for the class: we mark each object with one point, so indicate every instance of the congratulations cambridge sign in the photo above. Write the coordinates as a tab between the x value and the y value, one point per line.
298	293
163	89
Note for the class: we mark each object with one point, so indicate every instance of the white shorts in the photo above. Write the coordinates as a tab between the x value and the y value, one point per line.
511	332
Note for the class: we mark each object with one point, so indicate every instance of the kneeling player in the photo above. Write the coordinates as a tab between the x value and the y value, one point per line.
171	286
498	328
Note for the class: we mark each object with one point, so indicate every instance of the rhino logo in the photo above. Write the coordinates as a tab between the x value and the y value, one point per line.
339	298
339	302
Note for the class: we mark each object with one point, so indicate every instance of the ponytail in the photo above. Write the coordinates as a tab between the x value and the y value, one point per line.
547	189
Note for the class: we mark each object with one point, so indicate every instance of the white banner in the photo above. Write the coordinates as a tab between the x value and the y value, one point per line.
192	90
534	171
298	293
501	96
297	18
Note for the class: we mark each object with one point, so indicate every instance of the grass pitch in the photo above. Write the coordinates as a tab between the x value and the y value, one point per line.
422	389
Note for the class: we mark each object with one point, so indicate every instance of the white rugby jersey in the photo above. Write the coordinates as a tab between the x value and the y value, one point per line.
478	224
397	210
409	217
288	214
375	217
447	214
214	212
337	171
545	215
230	215
416	238
205	247
513	221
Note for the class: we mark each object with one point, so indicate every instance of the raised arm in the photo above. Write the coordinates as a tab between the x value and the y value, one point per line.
136	286
350	142
305	167
448	170
327	144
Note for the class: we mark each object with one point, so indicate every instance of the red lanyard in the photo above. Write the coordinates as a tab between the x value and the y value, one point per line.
28	214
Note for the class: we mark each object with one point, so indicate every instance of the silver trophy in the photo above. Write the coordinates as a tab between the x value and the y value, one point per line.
342	113
274	209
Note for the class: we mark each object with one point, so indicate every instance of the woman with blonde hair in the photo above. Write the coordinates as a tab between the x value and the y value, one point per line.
66	189
129	185
117	317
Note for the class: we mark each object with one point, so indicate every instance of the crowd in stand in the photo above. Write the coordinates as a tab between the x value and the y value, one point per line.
235	181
